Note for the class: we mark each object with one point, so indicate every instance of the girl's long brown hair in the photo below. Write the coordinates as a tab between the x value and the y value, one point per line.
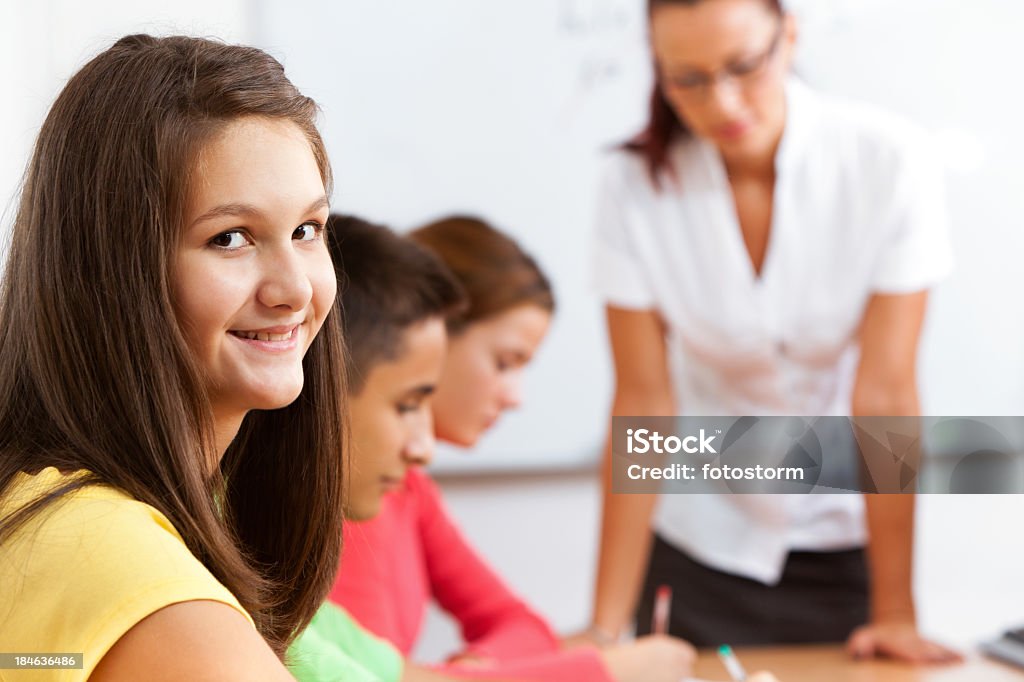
95	372
496	273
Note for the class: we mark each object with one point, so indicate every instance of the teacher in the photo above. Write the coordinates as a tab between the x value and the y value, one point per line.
763	249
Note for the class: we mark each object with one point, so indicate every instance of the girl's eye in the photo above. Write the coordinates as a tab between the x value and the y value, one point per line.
406	408
745	68
689	81
307	232
229	241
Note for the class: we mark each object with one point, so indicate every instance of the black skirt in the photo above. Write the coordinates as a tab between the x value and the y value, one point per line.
821	597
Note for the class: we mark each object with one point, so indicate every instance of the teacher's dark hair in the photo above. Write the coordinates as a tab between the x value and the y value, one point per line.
663	126
95	371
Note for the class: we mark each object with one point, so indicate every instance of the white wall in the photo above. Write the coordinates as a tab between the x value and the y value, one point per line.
43	42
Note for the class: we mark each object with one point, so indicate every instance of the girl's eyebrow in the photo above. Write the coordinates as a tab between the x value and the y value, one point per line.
422	391
248	210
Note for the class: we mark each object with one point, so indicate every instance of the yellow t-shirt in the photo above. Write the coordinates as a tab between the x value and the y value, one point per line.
82	572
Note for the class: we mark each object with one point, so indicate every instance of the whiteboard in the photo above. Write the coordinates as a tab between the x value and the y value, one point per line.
503	109
496	109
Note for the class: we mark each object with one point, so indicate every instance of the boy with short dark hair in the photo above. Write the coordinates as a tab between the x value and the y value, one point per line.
394	297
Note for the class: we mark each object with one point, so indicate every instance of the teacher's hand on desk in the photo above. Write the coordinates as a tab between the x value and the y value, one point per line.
900	641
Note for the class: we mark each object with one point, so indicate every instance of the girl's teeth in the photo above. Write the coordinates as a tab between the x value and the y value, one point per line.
254	336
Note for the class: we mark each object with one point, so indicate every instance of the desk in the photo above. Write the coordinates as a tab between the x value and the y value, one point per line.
831	664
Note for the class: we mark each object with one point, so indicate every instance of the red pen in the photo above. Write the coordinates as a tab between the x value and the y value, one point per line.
662	610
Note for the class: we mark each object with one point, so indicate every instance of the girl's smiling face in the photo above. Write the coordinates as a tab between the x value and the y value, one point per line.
253	280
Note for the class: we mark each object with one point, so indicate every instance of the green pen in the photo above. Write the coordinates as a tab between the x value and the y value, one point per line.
731	663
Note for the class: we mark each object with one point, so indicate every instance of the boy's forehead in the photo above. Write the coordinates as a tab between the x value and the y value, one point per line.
418	355
422	340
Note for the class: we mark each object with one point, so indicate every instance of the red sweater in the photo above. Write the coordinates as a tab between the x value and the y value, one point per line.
411	552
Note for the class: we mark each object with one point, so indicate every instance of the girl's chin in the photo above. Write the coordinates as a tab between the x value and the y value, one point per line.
464	437
275	400
468	440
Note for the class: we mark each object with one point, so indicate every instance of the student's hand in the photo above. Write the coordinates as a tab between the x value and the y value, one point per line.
900	641
592	636
762	677
470	661
655	658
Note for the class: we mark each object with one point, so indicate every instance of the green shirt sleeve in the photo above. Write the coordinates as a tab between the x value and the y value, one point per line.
336	648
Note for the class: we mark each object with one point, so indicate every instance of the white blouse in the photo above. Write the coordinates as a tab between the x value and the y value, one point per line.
858	210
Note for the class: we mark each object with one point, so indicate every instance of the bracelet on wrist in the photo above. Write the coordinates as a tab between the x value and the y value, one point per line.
601	636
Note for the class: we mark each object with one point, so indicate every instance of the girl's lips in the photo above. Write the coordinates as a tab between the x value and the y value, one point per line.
281	330
274	339
732	131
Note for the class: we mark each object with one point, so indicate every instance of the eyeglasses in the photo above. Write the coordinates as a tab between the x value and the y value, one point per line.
698	84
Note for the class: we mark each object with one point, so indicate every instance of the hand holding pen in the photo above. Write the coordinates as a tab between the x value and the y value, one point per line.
735	669
660	626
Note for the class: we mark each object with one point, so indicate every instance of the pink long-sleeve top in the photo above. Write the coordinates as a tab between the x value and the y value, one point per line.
412	552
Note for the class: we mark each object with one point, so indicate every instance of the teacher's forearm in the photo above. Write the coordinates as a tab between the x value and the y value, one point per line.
622	559
625	527
623	553
890	517
890	520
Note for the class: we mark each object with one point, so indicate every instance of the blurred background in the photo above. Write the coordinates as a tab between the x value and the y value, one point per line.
504	109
